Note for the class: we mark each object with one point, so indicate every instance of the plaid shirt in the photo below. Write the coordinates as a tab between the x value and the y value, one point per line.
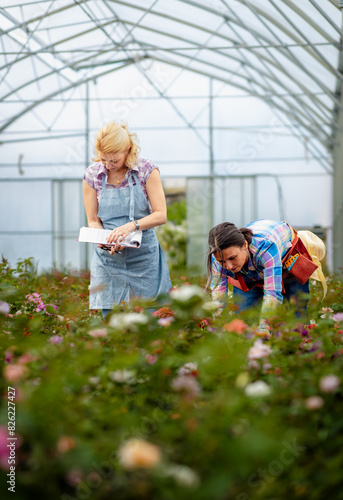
269	244
93	175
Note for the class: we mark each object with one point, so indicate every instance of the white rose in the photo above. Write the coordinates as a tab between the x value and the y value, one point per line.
186	293
188	368
183	475
257	389
122	376
130	320
211	306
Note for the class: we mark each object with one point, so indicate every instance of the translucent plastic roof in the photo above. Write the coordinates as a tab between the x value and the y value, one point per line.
284	52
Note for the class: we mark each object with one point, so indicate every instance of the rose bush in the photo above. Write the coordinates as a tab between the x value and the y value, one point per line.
185	402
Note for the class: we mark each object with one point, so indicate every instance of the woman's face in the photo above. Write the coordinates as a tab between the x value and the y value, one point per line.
233	258
113	161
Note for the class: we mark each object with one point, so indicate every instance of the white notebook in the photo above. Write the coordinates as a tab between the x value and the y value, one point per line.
95	235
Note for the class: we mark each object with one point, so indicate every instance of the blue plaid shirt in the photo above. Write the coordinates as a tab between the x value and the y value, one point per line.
270	242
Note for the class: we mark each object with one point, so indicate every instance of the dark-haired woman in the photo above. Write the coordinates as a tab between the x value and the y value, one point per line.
250	258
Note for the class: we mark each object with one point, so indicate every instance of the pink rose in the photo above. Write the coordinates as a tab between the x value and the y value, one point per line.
15	372
151	359
55	339
329	383
314	402
101	332
4	307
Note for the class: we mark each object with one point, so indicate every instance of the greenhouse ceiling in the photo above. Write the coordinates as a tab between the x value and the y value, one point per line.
284	52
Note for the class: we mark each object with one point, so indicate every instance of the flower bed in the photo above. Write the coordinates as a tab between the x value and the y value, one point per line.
180	403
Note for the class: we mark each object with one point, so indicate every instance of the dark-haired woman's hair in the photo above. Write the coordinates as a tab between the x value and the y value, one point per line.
223	236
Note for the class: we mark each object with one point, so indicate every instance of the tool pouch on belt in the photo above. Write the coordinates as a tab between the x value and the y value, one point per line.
298	261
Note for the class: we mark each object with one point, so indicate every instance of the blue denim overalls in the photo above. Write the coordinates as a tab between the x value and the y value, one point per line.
136	272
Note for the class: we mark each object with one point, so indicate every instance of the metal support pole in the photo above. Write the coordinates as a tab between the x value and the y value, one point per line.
211	180
337	204
53	227
85	248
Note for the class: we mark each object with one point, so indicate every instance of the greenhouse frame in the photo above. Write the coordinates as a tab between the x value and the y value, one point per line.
238	102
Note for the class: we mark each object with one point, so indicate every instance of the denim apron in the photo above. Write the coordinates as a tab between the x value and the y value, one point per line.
136	272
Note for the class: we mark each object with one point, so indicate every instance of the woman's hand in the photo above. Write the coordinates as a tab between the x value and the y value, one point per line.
118	234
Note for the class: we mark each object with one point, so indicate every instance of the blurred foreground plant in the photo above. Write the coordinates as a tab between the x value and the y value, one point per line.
173	398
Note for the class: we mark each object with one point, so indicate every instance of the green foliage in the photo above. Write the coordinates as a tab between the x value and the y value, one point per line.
173	237
176	212
178	380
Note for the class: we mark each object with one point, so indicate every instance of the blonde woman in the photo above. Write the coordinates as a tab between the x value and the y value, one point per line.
124	192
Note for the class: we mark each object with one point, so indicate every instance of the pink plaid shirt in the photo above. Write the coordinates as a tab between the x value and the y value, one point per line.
93	175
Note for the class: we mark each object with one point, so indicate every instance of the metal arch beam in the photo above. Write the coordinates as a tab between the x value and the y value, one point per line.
36	103
53	94
273	77
266	89
41	60
300	65
56	71
267	98
285	52
32	36
186	1
261	13
189	41
291	56
155	13
320	103
298	120
310	21
302	14
324	14
310	129
31	53
61	9
303	87
174	19
161	93
246	89
223	54
326	63
51	46
38	18
63	40
267	68
281	27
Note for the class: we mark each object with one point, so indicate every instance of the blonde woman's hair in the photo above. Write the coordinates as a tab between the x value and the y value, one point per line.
116	138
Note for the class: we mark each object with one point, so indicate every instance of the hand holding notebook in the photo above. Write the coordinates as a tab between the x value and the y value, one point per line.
95	235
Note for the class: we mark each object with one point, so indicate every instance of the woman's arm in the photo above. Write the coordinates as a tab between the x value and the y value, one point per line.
157	201
219	283
91	206
270	260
